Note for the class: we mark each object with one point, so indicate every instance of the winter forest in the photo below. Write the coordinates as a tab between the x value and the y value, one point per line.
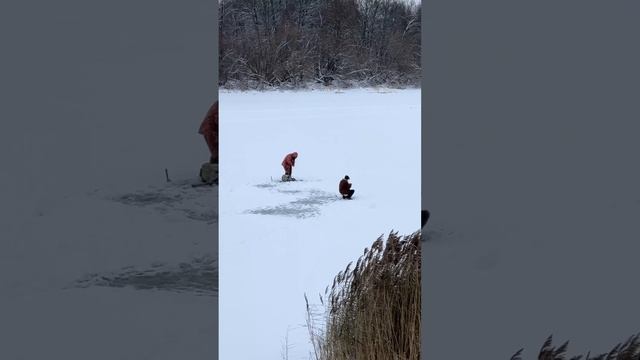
295	43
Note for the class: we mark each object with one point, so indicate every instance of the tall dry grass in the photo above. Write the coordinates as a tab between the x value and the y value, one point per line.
628	350
372	310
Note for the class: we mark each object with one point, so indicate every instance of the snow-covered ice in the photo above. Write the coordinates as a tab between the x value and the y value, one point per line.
282	240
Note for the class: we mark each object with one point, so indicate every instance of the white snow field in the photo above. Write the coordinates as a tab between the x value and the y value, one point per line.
100	258
282	240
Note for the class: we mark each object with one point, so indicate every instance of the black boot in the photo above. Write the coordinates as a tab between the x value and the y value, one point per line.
348	197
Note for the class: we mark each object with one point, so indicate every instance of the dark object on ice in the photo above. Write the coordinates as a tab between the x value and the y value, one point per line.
209	129
345	188
425	217
286	177
209	173
288	163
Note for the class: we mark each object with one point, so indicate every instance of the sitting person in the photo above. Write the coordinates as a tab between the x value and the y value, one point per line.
345	188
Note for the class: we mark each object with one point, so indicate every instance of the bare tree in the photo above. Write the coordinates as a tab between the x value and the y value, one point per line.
295	42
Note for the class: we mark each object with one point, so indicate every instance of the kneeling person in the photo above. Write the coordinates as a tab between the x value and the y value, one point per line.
345	188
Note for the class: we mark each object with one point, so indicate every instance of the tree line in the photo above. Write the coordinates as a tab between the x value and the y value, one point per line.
292	43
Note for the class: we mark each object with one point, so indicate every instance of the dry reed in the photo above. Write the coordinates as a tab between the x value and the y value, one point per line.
628	350
373	309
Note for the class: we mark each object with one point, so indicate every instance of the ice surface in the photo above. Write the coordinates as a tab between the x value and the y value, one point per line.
282	240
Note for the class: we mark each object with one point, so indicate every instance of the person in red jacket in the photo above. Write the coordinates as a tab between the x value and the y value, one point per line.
345	188
209	129
288	163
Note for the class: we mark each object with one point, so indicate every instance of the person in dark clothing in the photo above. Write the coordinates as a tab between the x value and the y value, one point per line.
345	188
209	129
288	163
425	217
